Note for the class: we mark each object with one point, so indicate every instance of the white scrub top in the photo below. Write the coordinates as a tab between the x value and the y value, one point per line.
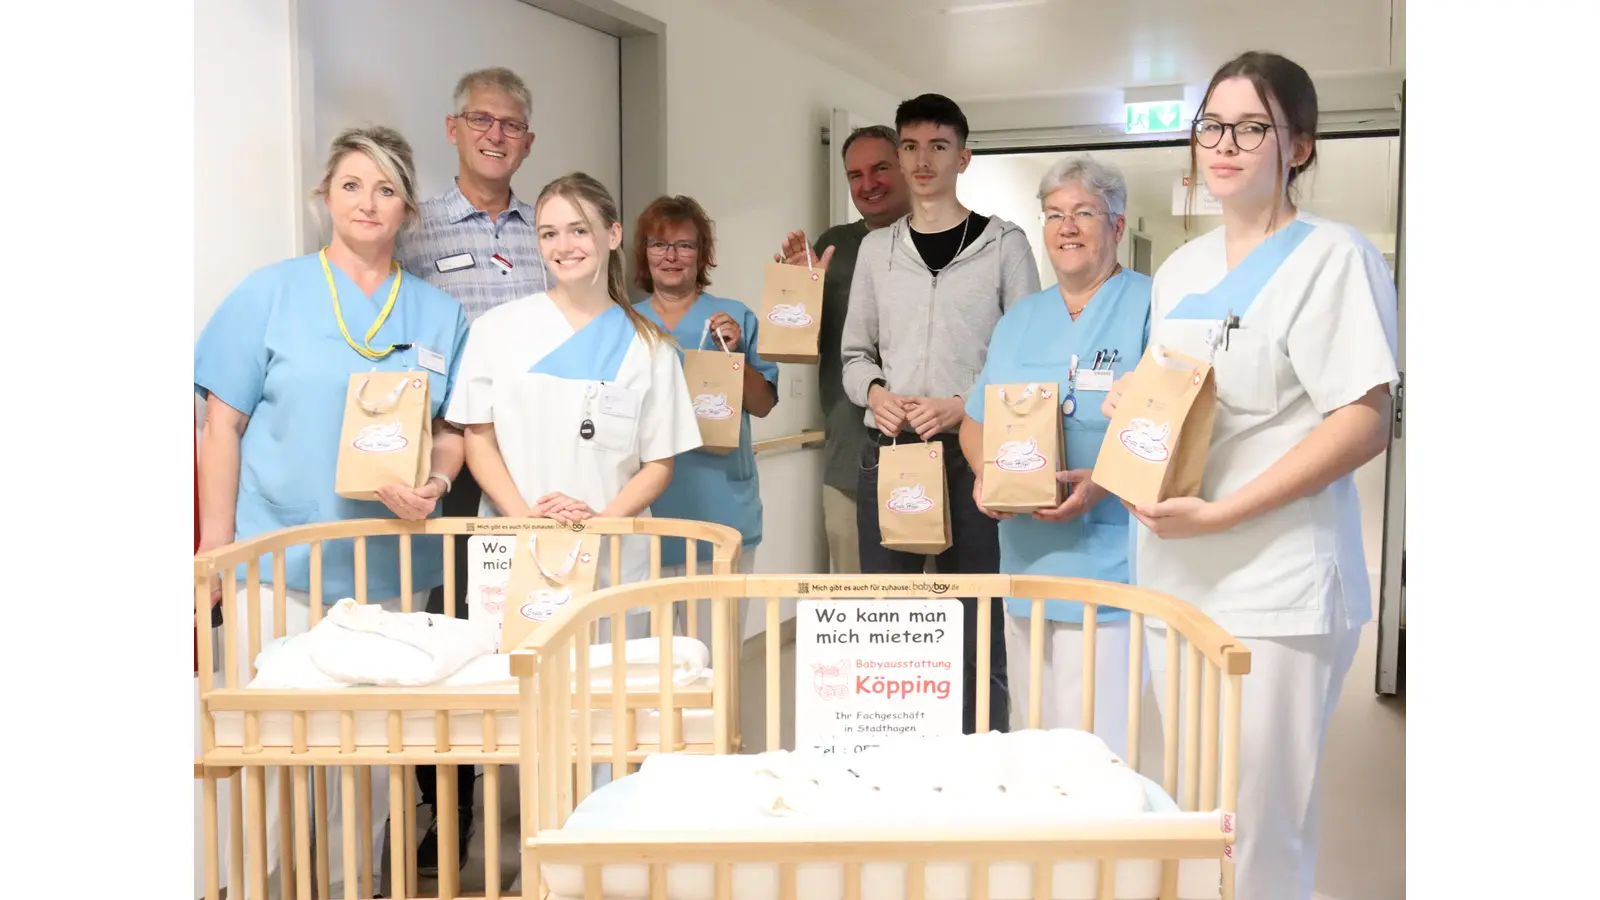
526	371
1317	329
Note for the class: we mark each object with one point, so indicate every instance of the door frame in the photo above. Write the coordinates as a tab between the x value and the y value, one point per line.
1390	676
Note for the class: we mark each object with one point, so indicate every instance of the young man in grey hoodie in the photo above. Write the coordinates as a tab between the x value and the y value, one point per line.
925	297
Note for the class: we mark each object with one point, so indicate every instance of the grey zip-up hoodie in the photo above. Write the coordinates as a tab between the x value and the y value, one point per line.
928	335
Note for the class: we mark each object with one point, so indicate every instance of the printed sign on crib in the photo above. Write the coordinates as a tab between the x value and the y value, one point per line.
488	574
871	671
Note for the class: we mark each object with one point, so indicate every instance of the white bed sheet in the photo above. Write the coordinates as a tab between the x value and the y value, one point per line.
714	793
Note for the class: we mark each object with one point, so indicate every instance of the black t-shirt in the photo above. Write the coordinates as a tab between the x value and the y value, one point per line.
939	248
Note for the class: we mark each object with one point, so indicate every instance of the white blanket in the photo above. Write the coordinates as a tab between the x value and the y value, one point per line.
365	644
290	664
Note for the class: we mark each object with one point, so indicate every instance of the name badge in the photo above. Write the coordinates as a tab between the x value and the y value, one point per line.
455	263
430	360
501	261
1095	379
619	402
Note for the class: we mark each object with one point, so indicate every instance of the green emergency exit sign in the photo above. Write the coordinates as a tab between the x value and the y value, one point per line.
1144	118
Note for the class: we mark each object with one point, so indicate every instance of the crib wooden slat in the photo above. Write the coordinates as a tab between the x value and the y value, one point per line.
361	569
316	607
720	698
252	610
347	732
528	695
1042	875
280	607
786	881
256	828
980	877
302	831
396	732
410	820
585	738
591	883
852	870
1108	880
1209	712
669	713
1169	869
774	677
397	833
491	831
448	828
230	633
621	718
658	881
691	613
364	817
1230	774
1135	686
564	725
449	542
208	812
297	726
320	807
985	664
352	859
1169	717
286	866
916	880
405	569
1091	668
724	881
1191	728
236	835
1036	663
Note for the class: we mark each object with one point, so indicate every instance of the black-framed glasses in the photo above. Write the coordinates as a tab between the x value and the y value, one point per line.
482	121
660	248
1247	136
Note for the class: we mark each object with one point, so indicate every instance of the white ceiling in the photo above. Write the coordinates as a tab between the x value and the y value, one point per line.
1044	47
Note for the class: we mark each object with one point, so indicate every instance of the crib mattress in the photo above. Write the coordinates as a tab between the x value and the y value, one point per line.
637	803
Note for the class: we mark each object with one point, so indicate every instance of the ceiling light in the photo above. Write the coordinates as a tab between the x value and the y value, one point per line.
990	7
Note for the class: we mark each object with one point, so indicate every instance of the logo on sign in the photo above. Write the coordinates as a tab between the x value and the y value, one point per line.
1019	456
385	438
789	315
909	500
831	681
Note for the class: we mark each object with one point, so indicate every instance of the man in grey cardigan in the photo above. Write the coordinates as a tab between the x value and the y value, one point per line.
924	300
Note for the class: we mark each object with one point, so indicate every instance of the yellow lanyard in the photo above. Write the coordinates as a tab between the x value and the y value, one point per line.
365	347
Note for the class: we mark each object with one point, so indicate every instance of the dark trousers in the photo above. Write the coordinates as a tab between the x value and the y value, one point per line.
461	502
974	550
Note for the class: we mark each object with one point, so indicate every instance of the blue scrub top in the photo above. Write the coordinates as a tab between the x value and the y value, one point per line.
1035	341
273	351
707	487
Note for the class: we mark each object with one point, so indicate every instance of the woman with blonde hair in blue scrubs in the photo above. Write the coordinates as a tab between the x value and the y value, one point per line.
273	365
1079	335
1299	319
674	251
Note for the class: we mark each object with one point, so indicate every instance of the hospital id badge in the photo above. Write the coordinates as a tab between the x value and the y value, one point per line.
1094	379
619	402
430	360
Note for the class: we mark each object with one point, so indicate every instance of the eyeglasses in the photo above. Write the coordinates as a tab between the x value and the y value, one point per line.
482	121
1247	136
1055	219
660	248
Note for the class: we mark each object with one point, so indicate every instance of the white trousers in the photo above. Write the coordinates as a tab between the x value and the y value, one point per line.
1288	698
297	620
1062	678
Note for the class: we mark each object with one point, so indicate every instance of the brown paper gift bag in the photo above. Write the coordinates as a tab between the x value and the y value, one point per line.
716	388
387	436
1022	447
791	314
1155	447
913	505
548	570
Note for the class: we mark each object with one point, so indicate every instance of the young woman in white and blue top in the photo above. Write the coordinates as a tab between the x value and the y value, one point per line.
1090	327
674	251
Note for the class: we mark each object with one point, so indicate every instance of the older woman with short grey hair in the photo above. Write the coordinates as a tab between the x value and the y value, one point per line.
1077	336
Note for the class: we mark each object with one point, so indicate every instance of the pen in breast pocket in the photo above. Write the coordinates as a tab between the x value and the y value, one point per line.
1112	361
1098	355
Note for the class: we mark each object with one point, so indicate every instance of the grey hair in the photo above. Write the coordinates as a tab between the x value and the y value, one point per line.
870	131
497	77
1105	181
390	152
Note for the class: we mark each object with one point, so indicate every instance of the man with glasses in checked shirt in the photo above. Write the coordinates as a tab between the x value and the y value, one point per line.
476	242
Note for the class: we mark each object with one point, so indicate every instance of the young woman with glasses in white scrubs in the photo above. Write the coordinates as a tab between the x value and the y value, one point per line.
1298	315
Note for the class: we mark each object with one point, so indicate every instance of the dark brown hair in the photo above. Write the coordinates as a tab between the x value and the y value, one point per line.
585	193
665	211
1277	78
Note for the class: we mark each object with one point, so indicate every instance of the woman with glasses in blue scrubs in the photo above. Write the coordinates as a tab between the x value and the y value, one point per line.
674	251
1081	334
273	365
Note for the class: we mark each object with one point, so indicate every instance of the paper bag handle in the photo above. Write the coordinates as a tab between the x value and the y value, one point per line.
1172	359
705	330
808	258
388	403
1027	392
559	576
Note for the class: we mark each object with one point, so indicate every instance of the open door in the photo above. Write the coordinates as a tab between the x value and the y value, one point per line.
841	209
1391	675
